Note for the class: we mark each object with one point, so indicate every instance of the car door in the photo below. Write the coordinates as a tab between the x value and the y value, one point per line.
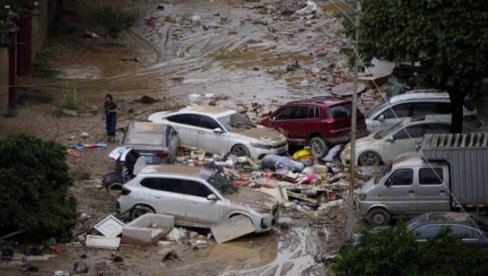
390	116
399	191
432	192
200	209
404	140
166	195
421	109
208	139
296	121
187	127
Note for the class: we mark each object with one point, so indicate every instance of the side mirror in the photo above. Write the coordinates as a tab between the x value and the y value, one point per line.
390	139
388	182
218	130
212	197
381	118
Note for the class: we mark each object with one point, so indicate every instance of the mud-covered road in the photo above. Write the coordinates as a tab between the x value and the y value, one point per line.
243	52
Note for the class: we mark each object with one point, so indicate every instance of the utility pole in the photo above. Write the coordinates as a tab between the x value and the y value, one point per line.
352	167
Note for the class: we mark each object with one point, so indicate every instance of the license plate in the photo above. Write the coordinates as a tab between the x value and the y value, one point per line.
150	159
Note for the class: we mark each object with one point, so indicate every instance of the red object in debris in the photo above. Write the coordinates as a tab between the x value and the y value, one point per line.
266	185
269	174
241	182
56	249
331	195
150	21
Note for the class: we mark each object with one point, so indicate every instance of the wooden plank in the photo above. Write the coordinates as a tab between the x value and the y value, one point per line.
301	197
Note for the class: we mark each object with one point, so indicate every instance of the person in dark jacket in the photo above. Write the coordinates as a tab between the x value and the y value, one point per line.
110	117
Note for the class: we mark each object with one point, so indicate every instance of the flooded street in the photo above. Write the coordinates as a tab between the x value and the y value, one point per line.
242	52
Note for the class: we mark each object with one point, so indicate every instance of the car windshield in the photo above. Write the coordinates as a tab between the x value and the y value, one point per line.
236	122
222	184
388	131
377	106
413	222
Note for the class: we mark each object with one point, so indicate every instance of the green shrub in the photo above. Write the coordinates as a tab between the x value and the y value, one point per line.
34	185
395	251
70	96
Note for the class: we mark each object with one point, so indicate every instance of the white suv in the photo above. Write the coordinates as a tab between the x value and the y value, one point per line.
195	196
412	104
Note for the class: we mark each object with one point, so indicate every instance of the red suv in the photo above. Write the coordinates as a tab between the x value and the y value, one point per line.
319	122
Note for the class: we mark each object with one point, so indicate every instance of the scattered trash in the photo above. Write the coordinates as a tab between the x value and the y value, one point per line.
84	135
196	20
277	162
73	153
102	242
197	154
310	7
232	228
168	254
332	153
147	229
87	146
176	234
302	154
61	273
110	226
80	267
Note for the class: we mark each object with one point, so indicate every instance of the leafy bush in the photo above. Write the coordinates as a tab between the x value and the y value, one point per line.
70	95
395	251
34	185
112	23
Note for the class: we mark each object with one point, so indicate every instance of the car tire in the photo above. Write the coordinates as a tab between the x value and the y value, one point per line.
369	158
240	150
379	217
140	210
318	146
113	182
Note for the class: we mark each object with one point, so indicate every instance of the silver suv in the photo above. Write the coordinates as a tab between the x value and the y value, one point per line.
196	197
417	103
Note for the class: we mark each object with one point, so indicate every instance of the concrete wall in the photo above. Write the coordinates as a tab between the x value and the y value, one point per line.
4	74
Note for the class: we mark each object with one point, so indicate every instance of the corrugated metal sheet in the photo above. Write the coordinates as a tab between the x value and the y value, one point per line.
467	155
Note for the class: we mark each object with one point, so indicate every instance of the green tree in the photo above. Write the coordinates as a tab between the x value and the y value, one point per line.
448	37
34	182
395	251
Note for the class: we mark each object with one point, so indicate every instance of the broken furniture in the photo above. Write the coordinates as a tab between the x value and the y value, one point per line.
147	229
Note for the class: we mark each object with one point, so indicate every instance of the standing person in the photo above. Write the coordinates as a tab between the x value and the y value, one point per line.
110	117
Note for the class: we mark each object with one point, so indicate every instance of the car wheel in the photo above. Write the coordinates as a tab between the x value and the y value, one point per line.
369	158
113	182
240	150
318	147
379	217
140	210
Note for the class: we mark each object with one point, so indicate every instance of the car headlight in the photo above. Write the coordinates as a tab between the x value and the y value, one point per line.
362	196
260	146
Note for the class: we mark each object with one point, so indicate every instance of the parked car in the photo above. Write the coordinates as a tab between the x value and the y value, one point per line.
196	197
143	143
471	229
449	174
417	103
383	146
319	122
220	130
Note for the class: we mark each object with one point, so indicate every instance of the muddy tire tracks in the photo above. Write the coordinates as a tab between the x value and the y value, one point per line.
138	38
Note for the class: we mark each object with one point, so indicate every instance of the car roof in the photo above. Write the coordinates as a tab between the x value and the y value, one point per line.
419	95
322	100
413	159
173	169
208	109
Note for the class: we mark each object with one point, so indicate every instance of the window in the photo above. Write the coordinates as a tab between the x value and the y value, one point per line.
464	232
428	176
422	109
300	112
413	131
401	177
173	118
428	231
341	111
284	114
313	112
195	188
189	119
207	122
401	111
164	184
